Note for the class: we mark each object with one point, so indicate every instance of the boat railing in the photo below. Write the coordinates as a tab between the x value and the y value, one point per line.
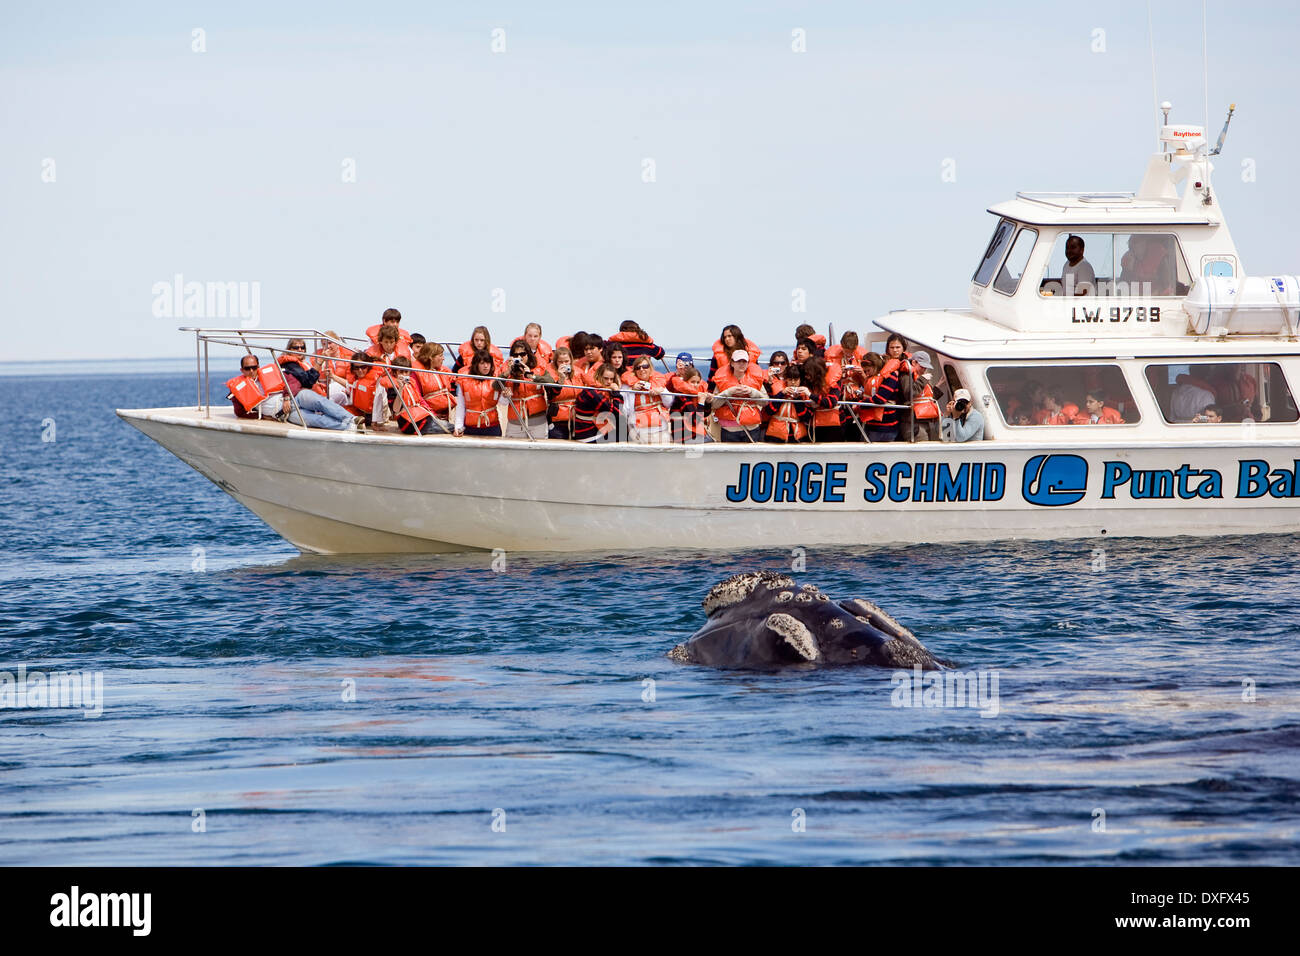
253	341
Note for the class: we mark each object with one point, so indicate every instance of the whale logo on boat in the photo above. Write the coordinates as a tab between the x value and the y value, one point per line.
1052	480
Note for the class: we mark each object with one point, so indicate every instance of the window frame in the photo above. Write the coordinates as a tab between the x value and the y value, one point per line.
1012	364
988	251
1007	258
1163	363
1114	273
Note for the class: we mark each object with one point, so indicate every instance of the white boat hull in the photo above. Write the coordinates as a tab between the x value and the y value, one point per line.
340	493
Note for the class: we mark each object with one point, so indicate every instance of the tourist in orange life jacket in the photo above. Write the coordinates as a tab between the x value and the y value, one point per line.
436	384
317	410
596	413
616	357
480	340
636	342
729	342
791	412
477	398
388	347
1097	412
532	337
824	399
777	363
739	398
417	342
364	383
393	319
926	393
334	365
648	403
413	416
257	391
563	399
854	387
688	418
591	357
1053	410
818	341
525	376
847	353
857	418
890	391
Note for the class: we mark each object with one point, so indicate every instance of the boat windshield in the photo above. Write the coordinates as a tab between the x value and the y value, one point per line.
1123	264
993	254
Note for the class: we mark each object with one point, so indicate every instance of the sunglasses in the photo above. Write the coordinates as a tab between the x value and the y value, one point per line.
779	364
249	368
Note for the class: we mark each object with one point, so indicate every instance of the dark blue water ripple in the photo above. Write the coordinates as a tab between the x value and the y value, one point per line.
1121	692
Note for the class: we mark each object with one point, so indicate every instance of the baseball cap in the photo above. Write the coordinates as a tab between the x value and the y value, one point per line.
923	359
961	393
739	355
686	357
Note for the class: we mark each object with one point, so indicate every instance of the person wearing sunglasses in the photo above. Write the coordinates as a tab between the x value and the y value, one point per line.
312	407
776	367
257	391
649	404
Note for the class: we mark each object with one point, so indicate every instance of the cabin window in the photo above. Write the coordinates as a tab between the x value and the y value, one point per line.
1138	264
1009	277
1033	395
993	254
1231	391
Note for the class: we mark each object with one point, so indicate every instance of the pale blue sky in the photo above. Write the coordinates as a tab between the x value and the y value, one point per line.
523	170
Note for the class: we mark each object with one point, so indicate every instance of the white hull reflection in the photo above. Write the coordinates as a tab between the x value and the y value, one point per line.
335	493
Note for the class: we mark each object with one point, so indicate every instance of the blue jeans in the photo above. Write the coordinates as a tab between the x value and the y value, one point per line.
319	411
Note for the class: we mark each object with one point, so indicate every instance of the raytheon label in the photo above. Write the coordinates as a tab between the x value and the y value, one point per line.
1048	481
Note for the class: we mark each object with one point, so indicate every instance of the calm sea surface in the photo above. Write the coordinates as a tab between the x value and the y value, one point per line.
520	697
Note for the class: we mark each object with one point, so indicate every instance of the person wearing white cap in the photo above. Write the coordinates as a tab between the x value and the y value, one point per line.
925	409
739	397
964	422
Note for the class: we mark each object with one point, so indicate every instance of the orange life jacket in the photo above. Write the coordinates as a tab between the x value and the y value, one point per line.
466	351
565	398
543	351
723	357
363	393
648	409
337	367
827	417
924	407
481	396
785	424
528	395
372	333
743	412
413	411
375	354
269	381
436	388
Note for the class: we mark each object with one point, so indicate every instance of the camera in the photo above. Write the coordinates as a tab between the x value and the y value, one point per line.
518	364
961	405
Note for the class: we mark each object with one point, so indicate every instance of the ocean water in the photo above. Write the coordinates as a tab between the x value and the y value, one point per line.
1148	711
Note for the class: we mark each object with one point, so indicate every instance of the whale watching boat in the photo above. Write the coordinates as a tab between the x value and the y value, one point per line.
1136	304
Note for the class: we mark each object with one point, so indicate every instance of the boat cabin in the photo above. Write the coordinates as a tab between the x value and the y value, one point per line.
1092	309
